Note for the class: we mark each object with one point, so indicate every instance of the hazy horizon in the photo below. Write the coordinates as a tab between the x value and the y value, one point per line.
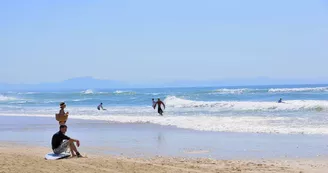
92	83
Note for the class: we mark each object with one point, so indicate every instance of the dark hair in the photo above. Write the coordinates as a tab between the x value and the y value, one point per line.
62	126
62	103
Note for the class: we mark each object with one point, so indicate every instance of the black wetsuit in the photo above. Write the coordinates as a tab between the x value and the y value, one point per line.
160	111
159	103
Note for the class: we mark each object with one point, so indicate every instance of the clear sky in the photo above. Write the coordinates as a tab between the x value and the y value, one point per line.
139	40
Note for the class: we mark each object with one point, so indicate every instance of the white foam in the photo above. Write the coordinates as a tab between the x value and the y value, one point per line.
123	92
235	91
79	100
51	101
5	98
27	93
307	89
271	90
88	91
313	123
118	92
227	124
244	124
32	93
291	105
154	94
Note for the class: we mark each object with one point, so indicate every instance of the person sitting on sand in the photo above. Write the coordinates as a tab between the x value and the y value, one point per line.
159	103
100	106
62	112
60	142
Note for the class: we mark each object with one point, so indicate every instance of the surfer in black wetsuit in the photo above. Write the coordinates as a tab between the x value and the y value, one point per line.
100	107
159	103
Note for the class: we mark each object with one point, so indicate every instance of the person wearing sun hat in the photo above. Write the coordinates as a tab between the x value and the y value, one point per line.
62	116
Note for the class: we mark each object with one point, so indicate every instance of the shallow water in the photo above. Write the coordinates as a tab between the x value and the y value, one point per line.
229	109
147	140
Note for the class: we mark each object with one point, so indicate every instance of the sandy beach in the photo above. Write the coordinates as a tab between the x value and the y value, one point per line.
27	159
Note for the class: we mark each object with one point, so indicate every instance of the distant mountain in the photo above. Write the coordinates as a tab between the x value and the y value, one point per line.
83	83
75	83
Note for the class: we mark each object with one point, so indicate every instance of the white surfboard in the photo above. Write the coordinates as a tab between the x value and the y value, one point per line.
52	156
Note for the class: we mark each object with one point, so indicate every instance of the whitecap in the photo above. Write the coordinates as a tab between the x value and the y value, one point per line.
290	105
306	89
88	91
6	98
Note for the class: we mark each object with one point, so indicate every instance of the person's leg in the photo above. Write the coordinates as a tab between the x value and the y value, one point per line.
62	148
160	111
73	149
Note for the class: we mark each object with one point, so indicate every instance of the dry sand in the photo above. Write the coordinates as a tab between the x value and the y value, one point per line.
24	159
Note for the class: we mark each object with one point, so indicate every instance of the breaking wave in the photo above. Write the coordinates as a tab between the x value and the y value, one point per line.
242	124
118	92
5	98
88	91
292	105
237	91
270	90
288	90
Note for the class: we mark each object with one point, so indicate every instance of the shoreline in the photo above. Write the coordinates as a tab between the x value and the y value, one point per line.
149	140
168	121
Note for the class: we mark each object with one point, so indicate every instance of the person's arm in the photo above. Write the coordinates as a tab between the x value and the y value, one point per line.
155	105
75	140
163	105
72	140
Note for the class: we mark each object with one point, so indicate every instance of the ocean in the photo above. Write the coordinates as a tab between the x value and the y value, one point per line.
220	109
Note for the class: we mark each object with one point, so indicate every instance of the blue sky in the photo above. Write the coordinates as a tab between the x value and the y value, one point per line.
165	40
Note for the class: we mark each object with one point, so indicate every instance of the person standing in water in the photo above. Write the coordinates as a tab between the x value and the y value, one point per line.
154	103
159	103
62	112
100	107
280	100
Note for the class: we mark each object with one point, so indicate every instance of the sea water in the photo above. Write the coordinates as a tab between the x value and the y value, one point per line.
223	109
